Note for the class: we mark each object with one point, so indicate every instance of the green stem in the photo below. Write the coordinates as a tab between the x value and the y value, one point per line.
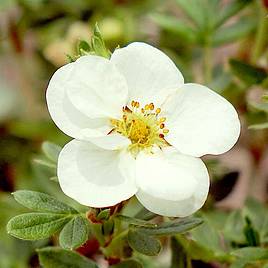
115	247
189	262
207	63
261	36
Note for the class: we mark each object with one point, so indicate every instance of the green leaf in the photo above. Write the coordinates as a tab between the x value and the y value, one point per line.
98	44
51	151
172	227
233	229
247	73
131	263
195	10
135	221
34	226
145	214
74	233
230	10
259	126
262	107
249	255
45	163
252	236
108	227
197	251
208	237
83	48
258	214
143	243
42	202
233	32
52	257
175	26
104	214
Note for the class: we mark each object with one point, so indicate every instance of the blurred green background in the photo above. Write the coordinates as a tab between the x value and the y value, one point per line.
222	44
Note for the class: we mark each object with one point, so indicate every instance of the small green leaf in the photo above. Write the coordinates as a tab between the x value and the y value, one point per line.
75	233
83	48
54	178
34	226
104	214
145	214
42	202
247	73
143	243
131	263
52	257
51	151
195	10
233	228
175	26
259	126
98	45
108	227
135	221
172	227
230	10
45	163
234	32
252	236
249	255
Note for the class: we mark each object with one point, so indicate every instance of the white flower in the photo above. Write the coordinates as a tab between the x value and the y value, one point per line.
138	130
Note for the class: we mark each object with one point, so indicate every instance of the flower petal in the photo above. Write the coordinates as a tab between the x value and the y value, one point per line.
96	88
96	177
200	121
69	119
150	74
171	184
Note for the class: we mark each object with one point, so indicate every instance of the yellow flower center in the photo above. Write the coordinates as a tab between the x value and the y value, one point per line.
143	126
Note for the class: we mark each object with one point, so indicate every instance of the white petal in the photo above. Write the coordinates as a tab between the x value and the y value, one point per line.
171	184
69	119
96	88
201	121
150	74
111	141
96	177
104	139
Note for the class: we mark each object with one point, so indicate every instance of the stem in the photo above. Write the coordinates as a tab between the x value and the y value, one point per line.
114	246
261	35
189	262
207	63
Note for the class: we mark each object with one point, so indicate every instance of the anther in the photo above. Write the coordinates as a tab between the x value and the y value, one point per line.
162	126
137	104
165	131
133	103
161	135
151	106
158	111
162	119
142	110
147	107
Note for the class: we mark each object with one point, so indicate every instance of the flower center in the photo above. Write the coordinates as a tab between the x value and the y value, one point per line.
143	126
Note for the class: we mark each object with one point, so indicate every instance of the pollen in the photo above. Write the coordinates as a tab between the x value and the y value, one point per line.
142	126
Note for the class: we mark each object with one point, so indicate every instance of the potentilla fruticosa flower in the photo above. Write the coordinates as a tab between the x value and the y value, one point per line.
138	129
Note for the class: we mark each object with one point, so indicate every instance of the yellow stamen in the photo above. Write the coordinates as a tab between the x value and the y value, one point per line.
158	111
162	119
151	106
